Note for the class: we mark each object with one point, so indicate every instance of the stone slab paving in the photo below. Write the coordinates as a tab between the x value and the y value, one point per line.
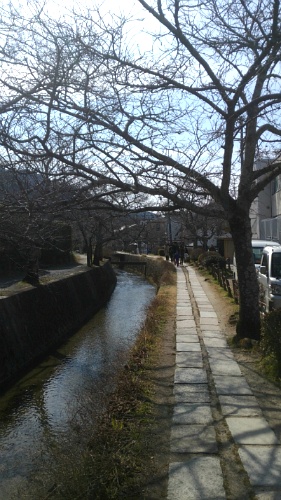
239	406
263	464
231	385
204	306
192	429
208	321
193	439
190	376
198	474
191	393
208	314
189	359
251	431
224	367
183	314
209	327
215	341
213	334
186	331
192	413
188	346
187	338
186	323
186	316
180	328
196	479
219	353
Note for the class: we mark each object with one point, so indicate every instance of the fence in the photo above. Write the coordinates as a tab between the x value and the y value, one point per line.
228	284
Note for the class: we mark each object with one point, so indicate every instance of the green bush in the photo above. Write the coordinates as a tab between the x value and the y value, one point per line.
271	338
207	259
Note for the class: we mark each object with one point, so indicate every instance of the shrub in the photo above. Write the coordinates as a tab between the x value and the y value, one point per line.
207	259
271	338
160	271
194	254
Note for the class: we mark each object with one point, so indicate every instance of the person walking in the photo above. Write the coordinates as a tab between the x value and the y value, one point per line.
177	256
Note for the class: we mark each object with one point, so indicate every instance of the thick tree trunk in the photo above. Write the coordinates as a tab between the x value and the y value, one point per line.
249	315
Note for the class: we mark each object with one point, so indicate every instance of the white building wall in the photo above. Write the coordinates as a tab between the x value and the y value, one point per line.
262	206
266	210
276	197
270	229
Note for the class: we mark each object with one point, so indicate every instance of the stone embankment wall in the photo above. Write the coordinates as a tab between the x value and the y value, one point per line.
35	321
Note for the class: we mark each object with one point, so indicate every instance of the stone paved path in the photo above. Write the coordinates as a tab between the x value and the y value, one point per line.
204	363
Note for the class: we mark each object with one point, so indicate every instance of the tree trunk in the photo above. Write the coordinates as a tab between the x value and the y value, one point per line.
89	253
32	267
249	315
99	245
98	253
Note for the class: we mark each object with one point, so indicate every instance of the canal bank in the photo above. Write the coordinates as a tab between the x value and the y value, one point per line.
37	319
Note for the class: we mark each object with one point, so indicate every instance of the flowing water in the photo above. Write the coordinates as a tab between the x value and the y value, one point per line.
40	412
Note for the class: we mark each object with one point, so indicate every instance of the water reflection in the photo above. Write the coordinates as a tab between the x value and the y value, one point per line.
41	407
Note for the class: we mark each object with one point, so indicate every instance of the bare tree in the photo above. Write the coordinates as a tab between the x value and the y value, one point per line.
201	228
186	116
32	219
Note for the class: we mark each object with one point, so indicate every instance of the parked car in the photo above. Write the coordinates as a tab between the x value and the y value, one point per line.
257	247
269	277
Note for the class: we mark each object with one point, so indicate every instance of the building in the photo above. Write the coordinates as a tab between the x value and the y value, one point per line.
265	211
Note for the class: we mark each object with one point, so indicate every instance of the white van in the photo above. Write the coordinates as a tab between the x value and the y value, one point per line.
269	277
257	247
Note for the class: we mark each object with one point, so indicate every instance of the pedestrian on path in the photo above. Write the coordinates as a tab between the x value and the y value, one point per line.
177	257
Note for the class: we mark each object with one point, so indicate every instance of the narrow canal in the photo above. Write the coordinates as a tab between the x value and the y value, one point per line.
68	390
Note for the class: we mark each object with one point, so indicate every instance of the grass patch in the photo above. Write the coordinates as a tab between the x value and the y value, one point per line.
223	293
